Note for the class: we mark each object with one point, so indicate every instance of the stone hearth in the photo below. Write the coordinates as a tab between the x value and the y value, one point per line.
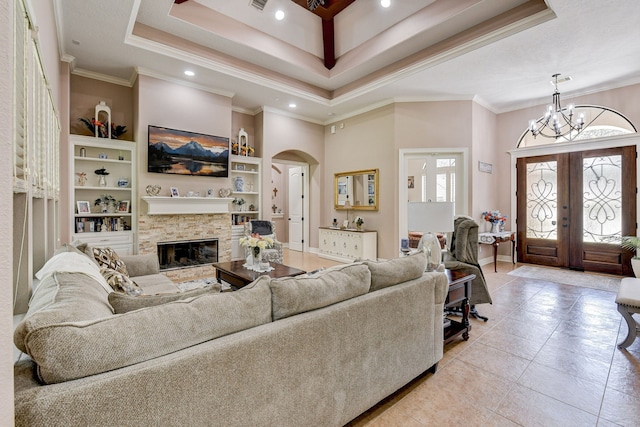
162	228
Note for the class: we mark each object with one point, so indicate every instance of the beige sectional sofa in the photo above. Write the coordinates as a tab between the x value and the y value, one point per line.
311	350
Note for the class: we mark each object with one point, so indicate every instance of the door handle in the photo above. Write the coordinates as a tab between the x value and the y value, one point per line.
564	225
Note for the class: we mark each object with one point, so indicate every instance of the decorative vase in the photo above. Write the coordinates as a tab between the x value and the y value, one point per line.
238	183
257	258
495	227
102	181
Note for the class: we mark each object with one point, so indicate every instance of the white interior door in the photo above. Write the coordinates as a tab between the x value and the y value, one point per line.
296	208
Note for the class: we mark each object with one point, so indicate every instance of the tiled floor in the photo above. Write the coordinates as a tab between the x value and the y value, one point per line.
546	357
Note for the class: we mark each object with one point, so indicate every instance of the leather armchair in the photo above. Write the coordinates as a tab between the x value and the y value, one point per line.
265	228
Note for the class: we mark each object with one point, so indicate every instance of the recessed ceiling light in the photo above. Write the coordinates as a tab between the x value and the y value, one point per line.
385	3
279	15
292	105
189	73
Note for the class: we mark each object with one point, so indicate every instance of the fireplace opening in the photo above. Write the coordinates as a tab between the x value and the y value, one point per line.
187	253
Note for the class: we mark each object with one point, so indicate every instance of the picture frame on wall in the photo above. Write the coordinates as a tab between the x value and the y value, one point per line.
411	182
485	167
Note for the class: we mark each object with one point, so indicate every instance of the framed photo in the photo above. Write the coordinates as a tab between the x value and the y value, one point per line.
83	207
411	182
485	167
342	188
174	192
123	206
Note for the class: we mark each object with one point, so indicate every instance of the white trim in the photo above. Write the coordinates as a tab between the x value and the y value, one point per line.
404	154
162	205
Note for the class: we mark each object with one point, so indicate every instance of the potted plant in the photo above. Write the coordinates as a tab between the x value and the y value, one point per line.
358	221
632	243
106	202
238	202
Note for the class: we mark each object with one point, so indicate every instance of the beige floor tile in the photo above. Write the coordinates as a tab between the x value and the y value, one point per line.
573	363
498	420
526	348
620	408
529	408
582	394
494	361
624	375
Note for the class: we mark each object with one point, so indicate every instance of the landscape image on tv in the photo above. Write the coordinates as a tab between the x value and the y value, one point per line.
187	153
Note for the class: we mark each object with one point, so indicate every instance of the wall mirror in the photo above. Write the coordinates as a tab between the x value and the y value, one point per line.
360	188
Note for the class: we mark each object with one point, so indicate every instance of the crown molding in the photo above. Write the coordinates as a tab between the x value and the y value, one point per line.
268	109
150	73
243	111
360	111
102	77
225	68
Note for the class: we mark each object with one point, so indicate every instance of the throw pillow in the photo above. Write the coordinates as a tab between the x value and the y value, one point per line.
107	257
394	271
123	303
120	282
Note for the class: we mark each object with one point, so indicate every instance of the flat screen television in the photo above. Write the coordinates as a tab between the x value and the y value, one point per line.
187	153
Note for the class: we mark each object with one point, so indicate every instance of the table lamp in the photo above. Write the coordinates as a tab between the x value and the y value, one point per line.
347	206
430	218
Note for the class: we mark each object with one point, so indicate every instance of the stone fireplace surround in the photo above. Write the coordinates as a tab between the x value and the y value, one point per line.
162	228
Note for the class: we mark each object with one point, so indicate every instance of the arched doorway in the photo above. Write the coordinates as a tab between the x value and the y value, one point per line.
290	198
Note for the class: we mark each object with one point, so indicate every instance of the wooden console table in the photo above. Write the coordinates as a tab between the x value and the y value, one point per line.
494	239
458	295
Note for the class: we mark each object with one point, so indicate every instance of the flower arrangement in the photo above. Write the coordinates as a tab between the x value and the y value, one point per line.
494	216
238	201
101	171
256	242
358	221
103	131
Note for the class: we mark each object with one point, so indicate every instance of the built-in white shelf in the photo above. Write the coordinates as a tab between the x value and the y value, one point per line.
162	205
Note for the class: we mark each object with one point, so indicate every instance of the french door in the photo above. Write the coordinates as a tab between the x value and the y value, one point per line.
574	207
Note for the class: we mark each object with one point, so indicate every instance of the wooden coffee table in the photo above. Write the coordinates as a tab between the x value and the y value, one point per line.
237	276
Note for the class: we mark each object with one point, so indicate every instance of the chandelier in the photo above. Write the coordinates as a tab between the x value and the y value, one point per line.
557	121
313	4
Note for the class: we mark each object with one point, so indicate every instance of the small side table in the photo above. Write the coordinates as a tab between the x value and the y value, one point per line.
494	239
459	293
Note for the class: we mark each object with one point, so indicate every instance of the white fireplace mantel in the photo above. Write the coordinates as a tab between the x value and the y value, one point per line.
160	205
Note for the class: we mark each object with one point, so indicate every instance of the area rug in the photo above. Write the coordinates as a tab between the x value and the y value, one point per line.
569	277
